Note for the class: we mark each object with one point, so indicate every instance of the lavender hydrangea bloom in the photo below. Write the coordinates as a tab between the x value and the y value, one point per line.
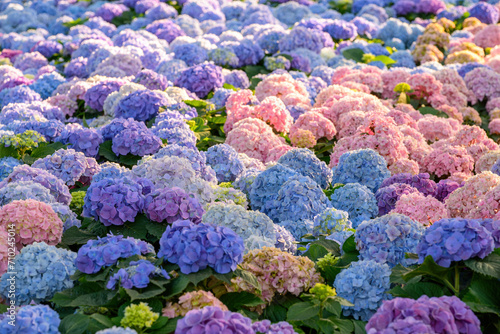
237	78
96	95
444	188
105	252
7	165
364	284
265	327
455	239
141	105
23	190
341	30
225	162
301	37
68	217
493	226
55	185
81	139
190	53
305	162
172	204
33	318
138	142
50	269
388	196
422	182
117	330
201	79
175	131
388	238
284	239
165	29
18	94
266	185
151	80
357	200
195	246
68	165
50	129
212	318
364	166
137	275
485	12
114	201
111	170
245	180
298	228
424	315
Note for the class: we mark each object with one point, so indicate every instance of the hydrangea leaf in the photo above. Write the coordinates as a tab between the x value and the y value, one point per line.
489	266
235	300
75	324
302	311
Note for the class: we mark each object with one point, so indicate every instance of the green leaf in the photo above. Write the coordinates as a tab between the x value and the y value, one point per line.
349	245
169	327
343	325
106	151
320	248
235	300
136	229
254	82
275	313
359	327
99	298
75	236
333	307
149	292
483	296
302	311
196	103
8	152
74	324
161	322
3	308
489	266
429	268
253	70
226	278
248	277
416	290
129	159
432	111
228	86
397	274
176	287
45	150
384	59
99	322
355	54
199	276
75	22
155	229
326	326
101	276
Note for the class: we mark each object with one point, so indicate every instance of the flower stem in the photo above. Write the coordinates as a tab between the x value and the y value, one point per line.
457	280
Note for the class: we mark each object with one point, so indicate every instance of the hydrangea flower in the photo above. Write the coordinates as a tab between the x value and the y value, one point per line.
455	239
26	140
386	239
139	316
69	165
359	202
277	272
364	284
136	275
171	204
285	241
111	170
424	315
225	162
422	182
194	300
212	318
305	162
22	190
7	165
105	252
245	180
201	79
364	166
230	195
142	105
35	318
387	197
114	201
138	142
117	330
246	224
81	139
265	327
424	209
331	220
42	270
194	247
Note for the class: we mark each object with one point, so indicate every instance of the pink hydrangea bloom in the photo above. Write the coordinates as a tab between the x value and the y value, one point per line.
391	79
251	162
372	80
302	138
488	37
278	272
459	178
463	200
446	160
488	206
486	161
63	102
274	112
4	251
333	92
194	300
404	166
424	86
357	101
356	86
451	77
494	63
453	96
78	90
314	121
281	85
349	122
276	152
452	112
34	222
493	104
424	209
402	118
494	126
436	128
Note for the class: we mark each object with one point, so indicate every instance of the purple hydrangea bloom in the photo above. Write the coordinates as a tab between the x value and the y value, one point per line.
265	327
151	80
444	188
422	182
114	201
50	130
301	37
388	196
237	78
425	315
213	319
455	239
48	48
175	131
69	165
341	30
30	60
77	68
81	139
225	162
404	7
142	6
195	246
388	238
109	11
139	142
190	53
19	94
55	185
201	79
493	226
96	95
165	29
105	252
117	125
68	217
172	204
136	275
430	6
162	11
485	12
141	105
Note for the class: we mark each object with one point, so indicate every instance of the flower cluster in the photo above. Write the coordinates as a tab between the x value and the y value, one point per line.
81	139
424	209
455	239
357	200
225	162
364	284
106	251
331	220
33	318
136	275
194	300
22	190
42	270
213	318
171	204
195	247
139	316
265	327
304	162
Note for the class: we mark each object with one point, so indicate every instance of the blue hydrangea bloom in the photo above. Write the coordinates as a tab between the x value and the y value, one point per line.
49	129
305	162
110	170
36	319
47	83
301	37
266	185
18	94
42	270
388	238
190	53
68	217
341	30
136	275
331	220
245	180
7	165
364	166
117	330
81	139
142	105
225	162
364	284
284	240
137	142
485	12
194	247
237	78
106	251
23	190
455	239
357	200
298	228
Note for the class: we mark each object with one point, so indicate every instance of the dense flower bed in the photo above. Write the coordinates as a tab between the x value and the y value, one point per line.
260	166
